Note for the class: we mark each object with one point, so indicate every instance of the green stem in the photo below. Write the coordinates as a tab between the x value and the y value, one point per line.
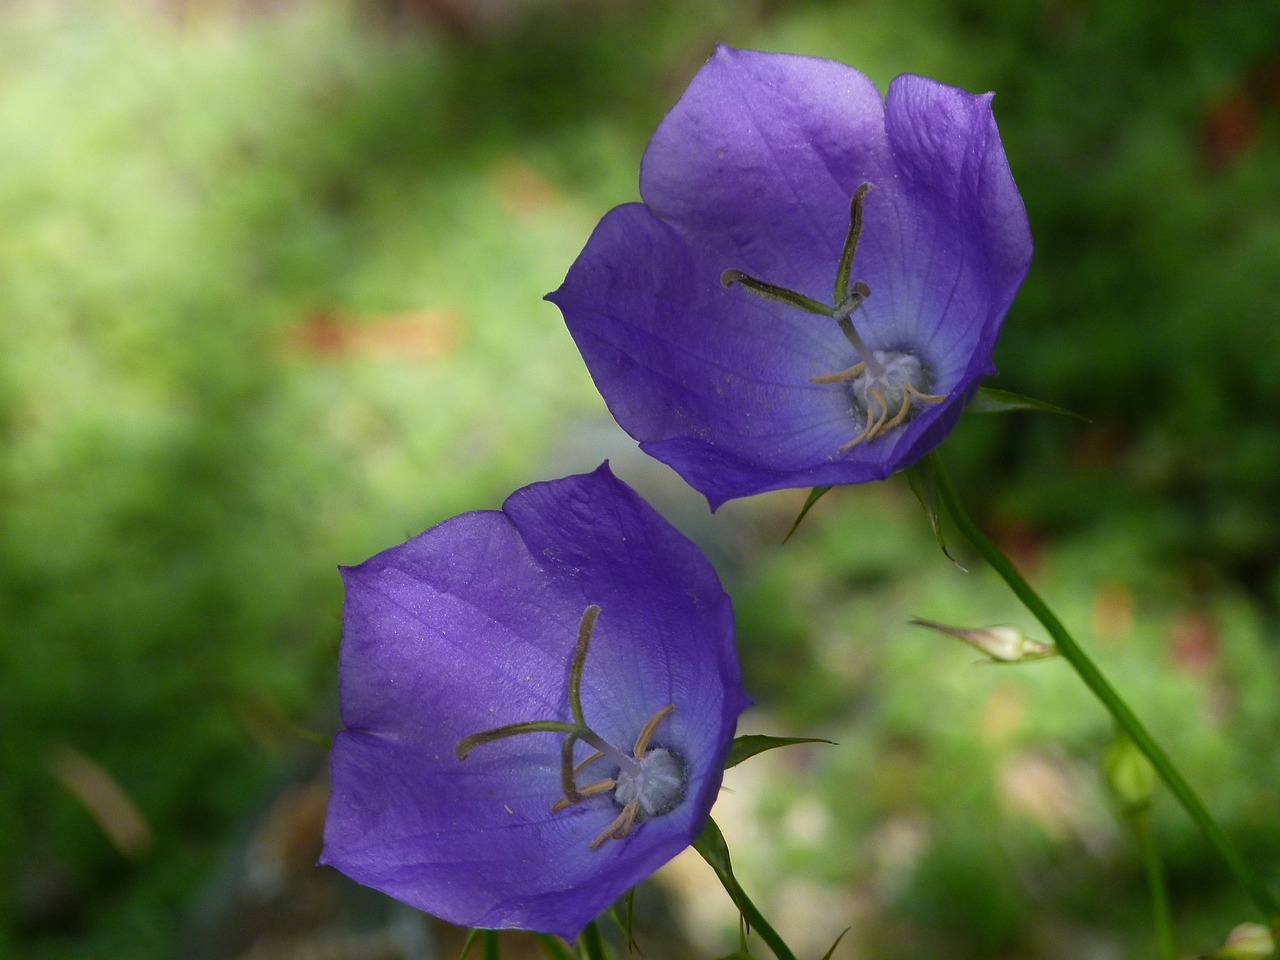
1102	689
592	945
1166	946
713	848
491	945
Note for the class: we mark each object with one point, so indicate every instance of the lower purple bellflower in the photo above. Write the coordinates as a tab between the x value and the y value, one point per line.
812	288
538	705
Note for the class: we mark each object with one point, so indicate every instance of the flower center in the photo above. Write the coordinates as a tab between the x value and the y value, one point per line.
656	788
888	386
647	783
886	396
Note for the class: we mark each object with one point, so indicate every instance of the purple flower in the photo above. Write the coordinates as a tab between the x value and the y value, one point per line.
538	706
811	290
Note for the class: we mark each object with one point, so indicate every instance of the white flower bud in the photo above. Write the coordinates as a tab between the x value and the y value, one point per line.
1248	941
1003	643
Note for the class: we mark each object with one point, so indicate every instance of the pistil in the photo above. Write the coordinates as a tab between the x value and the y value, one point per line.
887	385
648	782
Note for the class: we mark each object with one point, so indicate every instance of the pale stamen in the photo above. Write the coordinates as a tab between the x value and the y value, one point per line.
620	827
849	374
642	741
590	790
882	424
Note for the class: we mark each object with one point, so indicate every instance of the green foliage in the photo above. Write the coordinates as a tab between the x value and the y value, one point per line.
269	302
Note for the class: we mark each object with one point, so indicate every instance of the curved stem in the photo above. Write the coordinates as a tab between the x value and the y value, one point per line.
1166	945
713	848
1115	704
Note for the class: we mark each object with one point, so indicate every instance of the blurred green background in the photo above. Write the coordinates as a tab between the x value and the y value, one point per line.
270	280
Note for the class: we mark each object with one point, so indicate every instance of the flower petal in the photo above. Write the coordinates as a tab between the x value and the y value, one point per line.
759	158
471	626
753	170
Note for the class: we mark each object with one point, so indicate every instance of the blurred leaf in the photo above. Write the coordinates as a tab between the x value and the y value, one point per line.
993	400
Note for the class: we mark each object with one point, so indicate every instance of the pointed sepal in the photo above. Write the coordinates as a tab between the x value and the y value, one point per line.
922	478
748	745
827	955
816	494
994	400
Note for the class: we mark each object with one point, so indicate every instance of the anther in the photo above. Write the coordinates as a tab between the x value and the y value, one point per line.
620	827
590	790
849	374
642	741
878	420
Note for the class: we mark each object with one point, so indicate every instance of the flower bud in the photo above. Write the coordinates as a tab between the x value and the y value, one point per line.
1129	774
1003	643
1248	941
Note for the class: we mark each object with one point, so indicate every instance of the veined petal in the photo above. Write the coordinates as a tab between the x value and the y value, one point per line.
759	158
472	626
754	170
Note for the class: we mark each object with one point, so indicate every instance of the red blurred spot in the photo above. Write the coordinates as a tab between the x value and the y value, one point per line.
1228	129
1193	641
421	335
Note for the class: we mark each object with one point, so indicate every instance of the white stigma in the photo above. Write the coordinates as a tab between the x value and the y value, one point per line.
655	788
899	372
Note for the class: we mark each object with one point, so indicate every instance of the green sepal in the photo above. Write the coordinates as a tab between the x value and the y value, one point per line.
591	943
815	495
750	744
467	943
922	478
827	955
994	400
626	917
553	947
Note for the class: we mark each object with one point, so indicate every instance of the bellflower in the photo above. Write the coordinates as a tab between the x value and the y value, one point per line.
812	288
538	704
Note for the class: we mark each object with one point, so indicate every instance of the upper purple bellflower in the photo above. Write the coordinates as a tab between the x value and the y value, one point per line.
538	705
812	288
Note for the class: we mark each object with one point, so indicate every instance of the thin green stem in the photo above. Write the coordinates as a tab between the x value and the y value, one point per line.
1119	709
1166	945
592	944
713	848
491	945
